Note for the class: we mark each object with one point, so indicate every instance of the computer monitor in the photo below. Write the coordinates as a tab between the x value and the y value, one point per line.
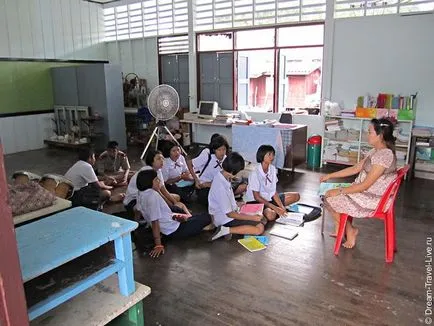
208	109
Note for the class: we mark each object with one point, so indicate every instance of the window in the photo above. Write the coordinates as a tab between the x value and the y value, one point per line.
215	42
145	18
264	38
219	14
354	8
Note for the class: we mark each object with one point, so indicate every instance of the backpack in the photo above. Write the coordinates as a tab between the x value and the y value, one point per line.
206	164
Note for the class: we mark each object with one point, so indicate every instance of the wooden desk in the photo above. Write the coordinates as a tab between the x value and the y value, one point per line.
59	205
53	241
206	128
96	306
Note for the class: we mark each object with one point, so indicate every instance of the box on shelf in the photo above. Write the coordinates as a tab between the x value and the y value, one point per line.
424	153
405	114
366	112
382	113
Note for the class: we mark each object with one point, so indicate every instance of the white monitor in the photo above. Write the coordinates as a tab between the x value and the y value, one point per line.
208	109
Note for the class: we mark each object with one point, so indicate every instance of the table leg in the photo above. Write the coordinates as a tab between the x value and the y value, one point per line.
322	221
125	275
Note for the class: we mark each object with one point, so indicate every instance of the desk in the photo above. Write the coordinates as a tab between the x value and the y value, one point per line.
289	144
59	205
412	161
206	128
53	241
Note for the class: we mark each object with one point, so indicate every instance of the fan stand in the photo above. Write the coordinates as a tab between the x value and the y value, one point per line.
157	132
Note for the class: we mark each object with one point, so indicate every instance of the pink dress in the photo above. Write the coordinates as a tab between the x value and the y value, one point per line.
364	203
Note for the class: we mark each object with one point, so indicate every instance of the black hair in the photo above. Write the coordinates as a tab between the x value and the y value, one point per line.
218	142
384	127
213	137
85	153
168	147
113	144
145	179
262	151
233	163
149	159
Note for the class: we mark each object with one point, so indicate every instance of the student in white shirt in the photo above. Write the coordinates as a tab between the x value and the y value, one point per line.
88	191
262	185
157	213
177	177
204	155
222	206
154	161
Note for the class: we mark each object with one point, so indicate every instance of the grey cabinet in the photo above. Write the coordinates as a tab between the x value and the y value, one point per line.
216	78
174	72
98	86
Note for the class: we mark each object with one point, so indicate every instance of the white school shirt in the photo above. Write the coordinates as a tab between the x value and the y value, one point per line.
81	174
213	168
172	169
221	200
132	190
264	183
153	208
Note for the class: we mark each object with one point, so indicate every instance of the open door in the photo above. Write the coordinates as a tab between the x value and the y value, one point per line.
13	309
243	82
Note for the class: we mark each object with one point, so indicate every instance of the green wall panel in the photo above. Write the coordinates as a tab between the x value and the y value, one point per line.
26	86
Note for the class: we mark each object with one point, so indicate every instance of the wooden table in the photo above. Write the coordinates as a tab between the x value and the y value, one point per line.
59	205
97	306
55	240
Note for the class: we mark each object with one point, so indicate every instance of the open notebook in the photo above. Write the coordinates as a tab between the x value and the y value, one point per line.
325	186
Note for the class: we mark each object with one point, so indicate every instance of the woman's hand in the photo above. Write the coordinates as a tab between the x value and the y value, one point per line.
183	207
324	178
333	193
157	251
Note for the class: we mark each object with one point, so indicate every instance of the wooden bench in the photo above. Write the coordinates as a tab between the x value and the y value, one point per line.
46	244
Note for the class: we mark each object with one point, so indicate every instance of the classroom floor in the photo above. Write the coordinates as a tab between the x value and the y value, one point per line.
297	282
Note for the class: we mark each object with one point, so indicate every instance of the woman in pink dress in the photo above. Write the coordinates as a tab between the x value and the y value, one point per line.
375	172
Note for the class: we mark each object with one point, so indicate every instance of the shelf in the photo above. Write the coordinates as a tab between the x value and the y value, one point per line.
342	141
356	118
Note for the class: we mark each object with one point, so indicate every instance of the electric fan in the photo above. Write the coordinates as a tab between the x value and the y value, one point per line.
163	103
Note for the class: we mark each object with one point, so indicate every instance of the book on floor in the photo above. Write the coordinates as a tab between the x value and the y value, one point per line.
252	209
325	186
261	238
284	231
291	218
252	244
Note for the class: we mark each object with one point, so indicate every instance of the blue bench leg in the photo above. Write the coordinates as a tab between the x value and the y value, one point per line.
125	275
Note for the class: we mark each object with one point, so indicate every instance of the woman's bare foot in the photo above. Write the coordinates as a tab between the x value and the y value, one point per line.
351	238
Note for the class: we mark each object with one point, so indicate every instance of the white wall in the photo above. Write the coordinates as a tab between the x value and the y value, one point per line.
139	56
391	54
52	29
46	29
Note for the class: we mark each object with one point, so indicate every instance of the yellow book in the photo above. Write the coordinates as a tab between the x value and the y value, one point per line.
252	244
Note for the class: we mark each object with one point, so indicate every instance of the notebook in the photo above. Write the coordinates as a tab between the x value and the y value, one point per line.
261	238
252	209
284	231
325	186
252	244
291	218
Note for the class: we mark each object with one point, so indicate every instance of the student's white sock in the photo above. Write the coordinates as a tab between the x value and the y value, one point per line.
220	232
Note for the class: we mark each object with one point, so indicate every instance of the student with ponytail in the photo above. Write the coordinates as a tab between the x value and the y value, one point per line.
375	172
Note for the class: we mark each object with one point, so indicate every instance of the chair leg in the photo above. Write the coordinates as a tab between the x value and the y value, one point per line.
342	223
389	237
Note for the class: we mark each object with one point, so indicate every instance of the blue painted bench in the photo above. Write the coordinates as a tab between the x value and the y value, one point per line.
55	240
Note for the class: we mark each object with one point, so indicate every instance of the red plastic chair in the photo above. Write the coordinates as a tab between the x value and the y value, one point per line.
385	211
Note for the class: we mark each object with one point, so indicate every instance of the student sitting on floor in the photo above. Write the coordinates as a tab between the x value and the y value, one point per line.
222	205
203	156
88	191
156	212
177	177
154	160
114	166
262	185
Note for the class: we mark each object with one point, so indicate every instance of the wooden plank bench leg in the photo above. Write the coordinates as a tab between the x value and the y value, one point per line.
123	251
